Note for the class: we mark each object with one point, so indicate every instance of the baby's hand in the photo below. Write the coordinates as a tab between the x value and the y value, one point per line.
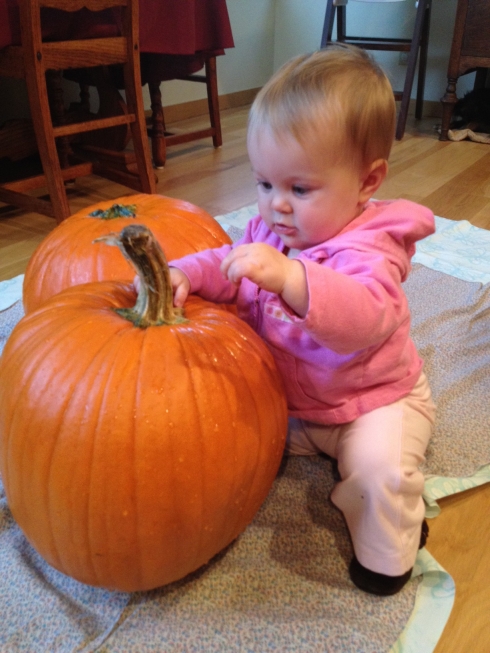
258	262
180	286
270	270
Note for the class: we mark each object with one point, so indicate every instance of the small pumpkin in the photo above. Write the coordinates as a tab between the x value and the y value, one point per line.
136	442
68	255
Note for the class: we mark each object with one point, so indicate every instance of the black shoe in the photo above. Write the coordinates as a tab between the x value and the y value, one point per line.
424	534
380	584
374	583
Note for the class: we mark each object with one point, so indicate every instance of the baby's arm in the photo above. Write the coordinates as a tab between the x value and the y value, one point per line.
270	270
199	273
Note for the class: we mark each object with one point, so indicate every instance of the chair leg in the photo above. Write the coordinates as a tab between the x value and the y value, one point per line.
412	64
328	24
448	101
424	47
341	23
213	100
139	131
43	127
480	78
157	130
57	107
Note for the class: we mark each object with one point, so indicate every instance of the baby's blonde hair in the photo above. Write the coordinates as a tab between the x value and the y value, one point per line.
338	96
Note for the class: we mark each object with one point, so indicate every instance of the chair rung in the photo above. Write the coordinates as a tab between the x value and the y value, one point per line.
395	45
177	139
84	53
76	5
128	178
192	78
26	202
92	125
39	181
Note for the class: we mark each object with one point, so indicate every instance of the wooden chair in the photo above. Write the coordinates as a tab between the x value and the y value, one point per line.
33	59
419	41
470	52
160	137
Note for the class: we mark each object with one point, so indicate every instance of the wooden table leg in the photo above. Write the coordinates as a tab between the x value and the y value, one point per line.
157	131
448	100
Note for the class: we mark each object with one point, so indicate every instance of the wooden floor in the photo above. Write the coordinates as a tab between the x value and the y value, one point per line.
453	179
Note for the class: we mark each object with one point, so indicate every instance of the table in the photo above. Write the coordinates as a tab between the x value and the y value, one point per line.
176	36
181	30
173	27
470	51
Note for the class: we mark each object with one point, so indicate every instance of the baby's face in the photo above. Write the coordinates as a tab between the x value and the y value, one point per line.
303	197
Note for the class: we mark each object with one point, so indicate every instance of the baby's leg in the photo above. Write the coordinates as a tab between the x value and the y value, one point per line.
381	489
307	439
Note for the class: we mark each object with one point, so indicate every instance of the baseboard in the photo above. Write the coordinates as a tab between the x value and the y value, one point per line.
196	108
431	109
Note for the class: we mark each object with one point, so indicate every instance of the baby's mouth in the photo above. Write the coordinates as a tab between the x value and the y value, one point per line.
284	229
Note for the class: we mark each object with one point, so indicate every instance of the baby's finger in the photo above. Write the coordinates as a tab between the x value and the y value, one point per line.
231	269
226	264
180	296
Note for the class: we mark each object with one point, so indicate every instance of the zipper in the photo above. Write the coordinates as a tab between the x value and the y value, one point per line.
256	311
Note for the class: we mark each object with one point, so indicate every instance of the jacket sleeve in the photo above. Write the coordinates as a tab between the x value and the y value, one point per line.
203	268
203	272
356	298
353	305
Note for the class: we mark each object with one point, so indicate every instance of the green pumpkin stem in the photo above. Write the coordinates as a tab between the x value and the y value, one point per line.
154	305
115	211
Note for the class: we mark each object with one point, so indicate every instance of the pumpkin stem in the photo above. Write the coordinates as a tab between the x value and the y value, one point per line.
154	305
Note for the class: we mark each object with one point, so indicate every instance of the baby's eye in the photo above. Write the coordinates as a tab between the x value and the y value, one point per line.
265	185
300	190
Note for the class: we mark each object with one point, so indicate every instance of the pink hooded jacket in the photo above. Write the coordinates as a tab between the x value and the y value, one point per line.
352	351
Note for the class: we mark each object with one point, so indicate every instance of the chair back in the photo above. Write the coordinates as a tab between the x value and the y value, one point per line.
36	58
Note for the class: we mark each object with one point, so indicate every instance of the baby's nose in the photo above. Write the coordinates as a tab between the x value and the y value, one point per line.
280	203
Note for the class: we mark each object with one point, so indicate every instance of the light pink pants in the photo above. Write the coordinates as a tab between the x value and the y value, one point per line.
380	492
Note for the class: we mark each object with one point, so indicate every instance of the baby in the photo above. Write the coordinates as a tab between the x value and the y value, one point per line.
318	275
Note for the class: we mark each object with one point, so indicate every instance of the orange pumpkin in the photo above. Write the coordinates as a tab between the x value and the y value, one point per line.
68	256
131	455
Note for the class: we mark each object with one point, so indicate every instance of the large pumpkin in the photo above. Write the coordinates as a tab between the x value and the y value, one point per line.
132	454
68	255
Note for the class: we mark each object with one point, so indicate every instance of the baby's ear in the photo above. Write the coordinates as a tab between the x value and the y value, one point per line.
372	179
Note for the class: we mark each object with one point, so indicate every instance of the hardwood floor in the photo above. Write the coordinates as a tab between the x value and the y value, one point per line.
453	179
217	180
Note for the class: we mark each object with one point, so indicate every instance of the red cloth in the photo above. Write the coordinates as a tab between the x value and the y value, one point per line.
178	34
184	26
172	27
